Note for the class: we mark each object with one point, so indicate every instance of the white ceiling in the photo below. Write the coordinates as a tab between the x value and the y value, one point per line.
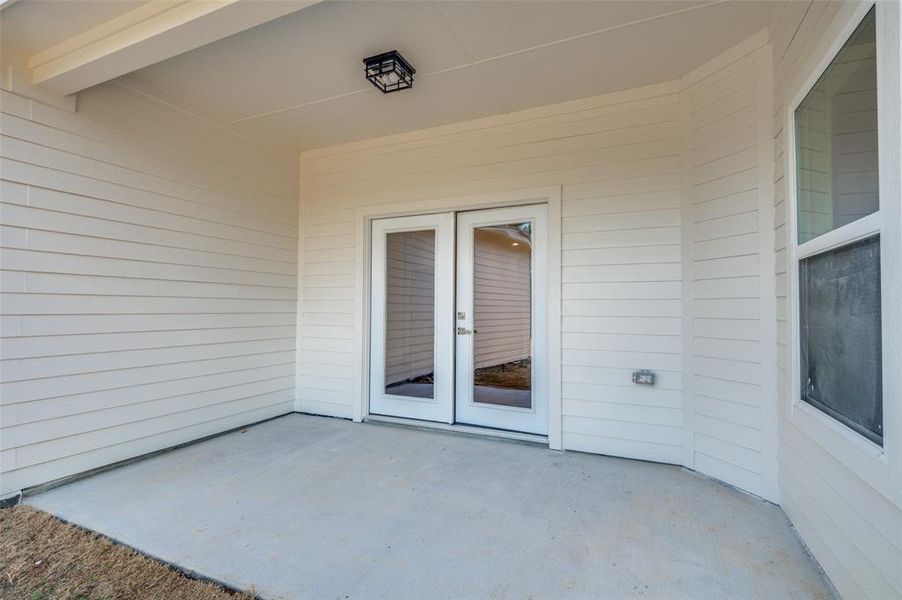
297	82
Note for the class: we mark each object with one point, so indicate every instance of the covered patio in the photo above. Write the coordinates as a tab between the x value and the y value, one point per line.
312	507
525	298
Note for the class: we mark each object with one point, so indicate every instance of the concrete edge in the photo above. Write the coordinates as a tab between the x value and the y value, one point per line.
812	558
189	573
17	497
471	431
729	485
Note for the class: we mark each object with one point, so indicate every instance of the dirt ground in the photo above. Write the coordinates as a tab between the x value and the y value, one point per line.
512	375
42	558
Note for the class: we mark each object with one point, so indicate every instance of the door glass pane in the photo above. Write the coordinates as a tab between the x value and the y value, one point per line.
836	139
840	359
502	311
410	313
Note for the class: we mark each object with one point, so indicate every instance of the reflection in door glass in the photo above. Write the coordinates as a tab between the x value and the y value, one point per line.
502	310
410	311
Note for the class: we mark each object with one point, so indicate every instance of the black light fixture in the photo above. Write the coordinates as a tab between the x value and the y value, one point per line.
389	71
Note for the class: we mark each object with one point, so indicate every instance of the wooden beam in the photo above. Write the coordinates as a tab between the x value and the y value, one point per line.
146	35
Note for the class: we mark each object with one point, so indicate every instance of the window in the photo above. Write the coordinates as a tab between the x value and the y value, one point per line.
838	236
839	306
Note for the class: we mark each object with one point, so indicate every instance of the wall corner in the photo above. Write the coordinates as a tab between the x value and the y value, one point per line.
687	276
16	78
300	283
767	279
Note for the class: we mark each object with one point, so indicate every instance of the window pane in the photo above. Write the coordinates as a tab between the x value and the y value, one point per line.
836	139
410	311
502	311
839	301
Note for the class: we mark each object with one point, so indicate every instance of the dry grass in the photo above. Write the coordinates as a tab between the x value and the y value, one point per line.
42	558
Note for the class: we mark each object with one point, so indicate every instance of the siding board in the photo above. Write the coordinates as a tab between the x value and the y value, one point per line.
723	196
148	278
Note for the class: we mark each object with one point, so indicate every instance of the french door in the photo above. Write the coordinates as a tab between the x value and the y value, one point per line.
459	318
502	319
412	308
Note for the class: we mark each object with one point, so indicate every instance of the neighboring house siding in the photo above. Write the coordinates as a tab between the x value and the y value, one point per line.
853	137
848	137
501	301
501	298
852	526
815	187
729	381
410	295
149	282
618	159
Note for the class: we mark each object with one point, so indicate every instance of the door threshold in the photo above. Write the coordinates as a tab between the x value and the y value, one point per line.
519	436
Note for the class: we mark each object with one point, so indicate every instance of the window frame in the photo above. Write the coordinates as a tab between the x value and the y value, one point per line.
869	459
841	418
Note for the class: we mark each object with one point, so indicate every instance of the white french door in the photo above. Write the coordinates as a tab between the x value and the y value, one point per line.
502	319
459	318
412	306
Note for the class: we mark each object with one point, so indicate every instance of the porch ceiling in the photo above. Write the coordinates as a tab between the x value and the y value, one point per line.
30	27
297	82
311	507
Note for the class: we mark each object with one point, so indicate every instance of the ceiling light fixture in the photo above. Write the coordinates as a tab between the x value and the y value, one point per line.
389	71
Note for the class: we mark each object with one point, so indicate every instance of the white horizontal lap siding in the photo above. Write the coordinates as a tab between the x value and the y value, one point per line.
728	427
501	300
853	530
618	159
326	330
148	279
410	290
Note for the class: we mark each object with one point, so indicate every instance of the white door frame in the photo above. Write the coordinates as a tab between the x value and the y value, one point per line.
364	216
535	418
440	406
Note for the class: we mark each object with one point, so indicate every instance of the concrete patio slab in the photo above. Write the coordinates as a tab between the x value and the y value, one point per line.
309	507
